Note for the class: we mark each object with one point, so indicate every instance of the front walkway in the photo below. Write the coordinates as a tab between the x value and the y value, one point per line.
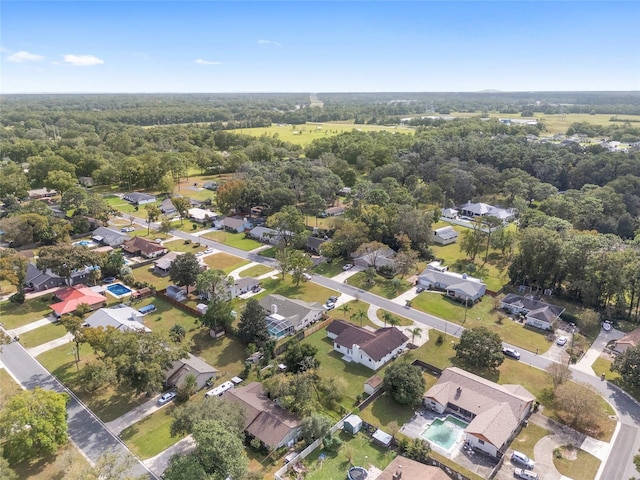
31	326
341	277
133	416
403	297
160	462
236	273
45	347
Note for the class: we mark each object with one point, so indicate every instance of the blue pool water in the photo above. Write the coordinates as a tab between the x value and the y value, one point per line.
118	289
445	432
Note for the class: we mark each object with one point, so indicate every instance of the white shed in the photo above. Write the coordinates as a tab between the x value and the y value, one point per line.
352	424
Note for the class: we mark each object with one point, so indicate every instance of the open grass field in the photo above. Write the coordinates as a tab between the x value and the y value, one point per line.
236	240
255	271
151	435
383	287
335	465
225	262
41	335
527	439
304	134
13	315
67	462
482	314
576	463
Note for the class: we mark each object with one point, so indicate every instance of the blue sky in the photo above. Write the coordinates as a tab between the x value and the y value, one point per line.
331	46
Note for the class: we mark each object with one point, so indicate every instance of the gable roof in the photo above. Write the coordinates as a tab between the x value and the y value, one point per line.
123	318
376	345
109	236
264	419
497	408
166	260
136	197
454	281
536	308
142	245
188	365
234	222
71	297
293	309
37	277
412	470
632	338
446	233
167	206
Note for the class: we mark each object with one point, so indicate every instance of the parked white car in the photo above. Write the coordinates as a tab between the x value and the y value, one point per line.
562	341
348	266
166	398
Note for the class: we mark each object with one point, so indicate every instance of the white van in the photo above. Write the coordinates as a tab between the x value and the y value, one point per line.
219	390
522	459
526	474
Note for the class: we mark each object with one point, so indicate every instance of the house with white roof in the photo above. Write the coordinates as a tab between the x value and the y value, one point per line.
201	215
122	317
494	411
449	213
444	236
457	285
486	210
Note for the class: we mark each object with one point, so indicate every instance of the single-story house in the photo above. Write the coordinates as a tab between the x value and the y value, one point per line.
460	286
265	420
200	215
333	211
179	294
485	210
449	213
538	313
37	193
233	224
139	246
373	385
371	349
377	259
190	365
630	340
122	317
313	243
71	297
403	468
138	198
167	207
39	280
244	285
444	236
493	411
288	315
109	236
85	181
161	266
265	235
344	191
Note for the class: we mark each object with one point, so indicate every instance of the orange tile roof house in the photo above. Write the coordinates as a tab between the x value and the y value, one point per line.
71	297
494	411
630	340
371	349
403	468
265	419
144	247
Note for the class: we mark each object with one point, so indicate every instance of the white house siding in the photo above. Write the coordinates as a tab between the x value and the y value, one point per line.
483	445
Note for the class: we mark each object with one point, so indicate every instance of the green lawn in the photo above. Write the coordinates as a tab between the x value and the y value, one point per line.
127	208
255	271
402	321
8	387
227	354
13	315
145	274
527	439
151	435
7	288
384	410
602	365
576	463
329	269
225	262
41	335
184	246
382	286
307	291
237	240
352	314
335	465
166	316
482	314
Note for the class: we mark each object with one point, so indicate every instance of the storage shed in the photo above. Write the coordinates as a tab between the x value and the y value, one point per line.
382	438
352	424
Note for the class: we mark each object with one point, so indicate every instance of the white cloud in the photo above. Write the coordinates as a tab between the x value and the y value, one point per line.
269	42
23	56
200	61
82	60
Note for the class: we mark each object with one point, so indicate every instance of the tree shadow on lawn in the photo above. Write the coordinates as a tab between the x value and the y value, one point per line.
35	467
109	403
227	353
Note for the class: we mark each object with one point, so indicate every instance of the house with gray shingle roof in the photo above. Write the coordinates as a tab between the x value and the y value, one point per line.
460	286
494	411
138	198
109	236
289	315
444	236
190	365
538	313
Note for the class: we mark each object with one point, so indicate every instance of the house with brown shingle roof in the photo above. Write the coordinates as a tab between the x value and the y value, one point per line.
264	418
630	340
369	348
143	247
493	411
403	468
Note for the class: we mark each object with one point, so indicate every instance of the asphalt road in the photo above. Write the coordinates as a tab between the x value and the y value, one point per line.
619	465
85	429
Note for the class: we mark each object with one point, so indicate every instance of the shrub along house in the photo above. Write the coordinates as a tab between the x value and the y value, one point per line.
494	411
371	349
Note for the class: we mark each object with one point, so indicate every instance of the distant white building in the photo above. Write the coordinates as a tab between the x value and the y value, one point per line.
444	236
485	210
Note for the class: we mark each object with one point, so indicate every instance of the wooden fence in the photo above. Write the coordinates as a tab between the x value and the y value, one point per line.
186	308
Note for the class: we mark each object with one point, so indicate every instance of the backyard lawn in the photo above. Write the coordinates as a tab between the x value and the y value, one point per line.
383	287
13	315
145	274
307	291
227	354
151	435
225	262
237	240
482	314
255	271
384	410
41	335
335	465
576	463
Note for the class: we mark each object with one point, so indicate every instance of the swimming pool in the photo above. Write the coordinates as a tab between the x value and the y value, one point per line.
118	290
445	432
86	243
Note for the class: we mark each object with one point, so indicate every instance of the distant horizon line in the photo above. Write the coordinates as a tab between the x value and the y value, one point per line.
168	92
